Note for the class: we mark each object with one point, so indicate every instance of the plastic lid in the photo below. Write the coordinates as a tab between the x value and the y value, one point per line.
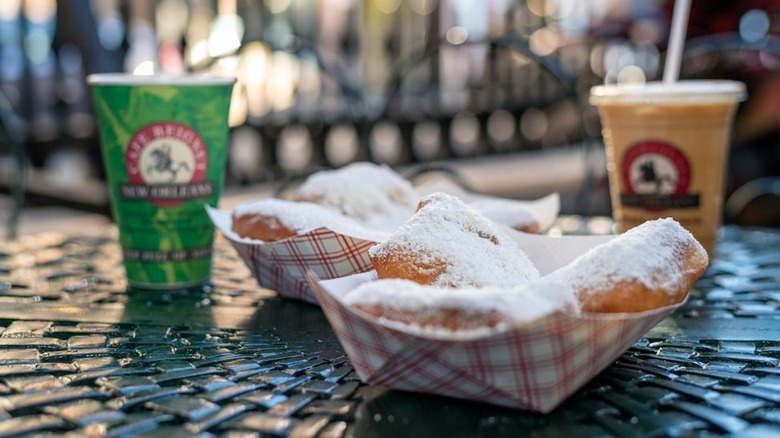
691	91
130	79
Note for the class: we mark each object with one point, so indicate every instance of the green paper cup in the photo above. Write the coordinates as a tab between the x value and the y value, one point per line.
164	142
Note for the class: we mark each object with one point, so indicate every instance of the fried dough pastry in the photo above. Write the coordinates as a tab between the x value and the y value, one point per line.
447	243
271	220
261	227
372	194
650	266
440	309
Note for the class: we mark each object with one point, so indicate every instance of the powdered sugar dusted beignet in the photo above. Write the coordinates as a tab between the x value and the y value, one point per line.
507	212
372	194
650	266
273	219
447	243
430	309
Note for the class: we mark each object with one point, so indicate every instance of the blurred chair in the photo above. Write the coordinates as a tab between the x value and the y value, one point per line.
756	203
753	191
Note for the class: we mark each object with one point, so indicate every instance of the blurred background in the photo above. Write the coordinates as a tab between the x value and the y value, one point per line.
493	90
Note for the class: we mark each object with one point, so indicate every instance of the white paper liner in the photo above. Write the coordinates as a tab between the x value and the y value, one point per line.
533	365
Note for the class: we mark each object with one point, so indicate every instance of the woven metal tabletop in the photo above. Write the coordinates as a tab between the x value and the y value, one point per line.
80	355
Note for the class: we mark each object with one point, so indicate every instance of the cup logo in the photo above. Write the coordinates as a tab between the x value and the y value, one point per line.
166	164
167	161
656	176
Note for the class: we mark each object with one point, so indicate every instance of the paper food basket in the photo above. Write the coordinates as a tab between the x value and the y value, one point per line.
534	365
282	266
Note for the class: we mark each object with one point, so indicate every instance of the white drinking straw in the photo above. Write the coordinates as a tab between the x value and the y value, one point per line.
676	40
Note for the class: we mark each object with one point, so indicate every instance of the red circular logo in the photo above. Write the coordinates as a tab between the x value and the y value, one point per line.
655	168
166	156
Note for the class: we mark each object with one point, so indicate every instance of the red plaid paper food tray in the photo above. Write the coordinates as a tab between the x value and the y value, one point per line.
532	366
282	266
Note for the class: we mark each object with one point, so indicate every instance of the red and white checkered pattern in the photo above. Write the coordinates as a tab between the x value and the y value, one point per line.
282	266
534	366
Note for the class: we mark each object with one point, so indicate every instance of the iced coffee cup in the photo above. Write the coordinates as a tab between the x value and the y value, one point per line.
667	151
164	143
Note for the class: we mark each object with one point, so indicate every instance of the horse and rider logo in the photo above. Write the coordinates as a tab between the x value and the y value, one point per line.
162	160
656	175
659	183
163	163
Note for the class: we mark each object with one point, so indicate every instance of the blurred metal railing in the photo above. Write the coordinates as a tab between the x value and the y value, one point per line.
514	107
14	137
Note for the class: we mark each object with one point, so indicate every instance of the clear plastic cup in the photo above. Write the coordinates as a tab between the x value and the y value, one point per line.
667	151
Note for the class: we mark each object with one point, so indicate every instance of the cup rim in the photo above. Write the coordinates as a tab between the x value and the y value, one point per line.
128	79
682	92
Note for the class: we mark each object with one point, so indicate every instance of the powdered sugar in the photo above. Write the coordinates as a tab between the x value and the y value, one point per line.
473	249
303	217
521	215
649	254
520	304
373	194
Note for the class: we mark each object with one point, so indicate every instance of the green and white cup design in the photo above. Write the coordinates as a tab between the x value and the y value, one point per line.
164	142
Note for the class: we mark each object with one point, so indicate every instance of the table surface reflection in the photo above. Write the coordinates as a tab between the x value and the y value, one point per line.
81	354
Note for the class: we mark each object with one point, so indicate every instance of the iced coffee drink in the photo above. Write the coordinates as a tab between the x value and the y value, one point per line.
667	151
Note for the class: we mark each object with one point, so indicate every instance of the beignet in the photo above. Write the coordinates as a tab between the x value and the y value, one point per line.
650	266
447	243
272	219
372	194
440	309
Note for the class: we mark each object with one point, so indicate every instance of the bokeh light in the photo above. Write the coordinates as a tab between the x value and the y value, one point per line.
457	35
386	143
754	25
464	134
534	124
294	149
426	140
341	144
